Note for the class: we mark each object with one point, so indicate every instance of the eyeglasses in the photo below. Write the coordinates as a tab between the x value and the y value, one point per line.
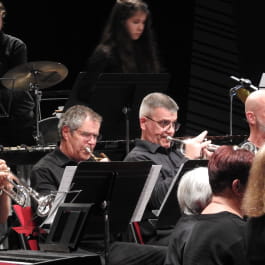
89	136
166	124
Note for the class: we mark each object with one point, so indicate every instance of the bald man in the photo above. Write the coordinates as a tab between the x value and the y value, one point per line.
255	115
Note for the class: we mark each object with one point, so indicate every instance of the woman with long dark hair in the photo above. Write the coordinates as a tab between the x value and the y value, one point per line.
127	44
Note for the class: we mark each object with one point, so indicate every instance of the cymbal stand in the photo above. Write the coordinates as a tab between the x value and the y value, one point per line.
232	93
37	96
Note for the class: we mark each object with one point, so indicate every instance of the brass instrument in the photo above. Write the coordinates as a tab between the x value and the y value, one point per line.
44	202
213	147
21	195
242	93
244	88
102	158
210	147
18	193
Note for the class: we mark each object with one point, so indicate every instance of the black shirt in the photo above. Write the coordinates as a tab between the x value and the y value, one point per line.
13	52
18	104
170	159
46	175
216	239
179	238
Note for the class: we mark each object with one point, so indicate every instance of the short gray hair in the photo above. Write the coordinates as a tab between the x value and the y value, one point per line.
75	116
157	100
194	191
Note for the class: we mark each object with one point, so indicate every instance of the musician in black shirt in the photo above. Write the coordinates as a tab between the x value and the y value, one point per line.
79	129
18	105
158	116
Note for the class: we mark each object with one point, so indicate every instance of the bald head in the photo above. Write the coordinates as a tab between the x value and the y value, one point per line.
255	101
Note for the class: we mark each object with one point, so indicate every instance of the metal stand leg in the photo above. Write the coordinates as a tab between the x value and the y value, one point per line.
107	231
233	92
38	95
126	111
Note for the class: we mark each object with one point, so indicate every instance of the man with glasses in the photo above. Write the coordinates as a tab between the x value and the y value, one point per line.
158	116
79	132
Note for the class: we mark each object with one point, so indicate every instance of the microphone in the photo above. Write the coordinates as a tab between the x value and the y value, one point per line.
244	82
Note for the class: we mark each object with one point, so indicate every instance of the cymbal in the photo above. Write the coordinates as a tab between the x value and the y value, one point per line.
35	75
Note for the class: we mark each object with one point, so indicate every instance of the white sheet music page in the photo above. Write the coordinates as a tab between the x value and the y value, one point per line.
64	188
146	193
157	213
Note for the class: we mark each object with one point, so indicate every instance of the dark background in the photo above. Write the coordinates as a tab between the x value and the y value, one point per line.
201	42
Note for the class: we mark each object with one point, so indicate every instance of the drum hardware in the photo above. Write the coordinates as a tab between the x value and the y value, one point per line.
42	74
34	76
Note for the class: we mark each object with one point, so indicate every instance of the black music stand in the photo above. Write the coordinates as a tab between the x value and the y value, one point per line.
170	212
66	228
114	188
117	97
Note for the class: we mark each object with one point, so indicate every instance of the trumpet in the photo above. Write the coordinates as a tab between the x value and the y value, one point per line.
21	194
213	147
44	202
102	158
210	147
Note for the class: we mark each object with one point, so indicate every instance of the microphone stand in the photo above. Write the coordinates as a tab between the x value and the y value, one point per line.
232	93
37	96
126	111
244	83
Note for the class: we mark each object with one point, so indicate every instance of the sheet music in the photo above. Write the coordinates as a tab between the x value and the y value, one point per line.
146	193
157	212
64	188
262	81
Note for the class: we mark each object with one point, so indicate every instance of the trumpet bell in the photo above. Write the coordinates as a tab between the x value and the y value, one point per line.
45	205
242	93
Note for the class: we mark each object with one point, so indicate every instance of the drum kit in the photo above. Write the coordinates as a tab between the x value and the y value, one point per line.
34	77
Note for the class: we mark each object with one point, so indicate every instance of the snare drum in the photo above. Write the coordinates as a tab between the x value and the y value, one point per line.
49	131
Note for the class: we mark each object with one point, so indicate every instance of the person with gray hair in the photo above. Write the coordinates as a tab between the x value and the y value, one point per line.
79	130
194	191
194	194
158	116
